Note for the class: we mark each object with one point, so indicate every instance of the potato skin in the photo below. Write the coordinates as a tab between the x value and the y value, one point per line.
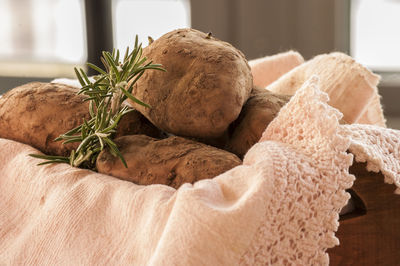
260	109
203	90
172	161
134	123
36	113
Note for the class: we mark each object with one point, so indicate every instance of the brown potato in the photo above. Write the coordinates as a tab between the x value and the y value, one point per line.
260	109
36	113
203	90
172	161
134	123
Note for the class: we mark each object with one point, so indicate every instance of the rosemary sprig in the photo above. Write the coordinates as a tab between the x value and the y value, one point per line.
106	94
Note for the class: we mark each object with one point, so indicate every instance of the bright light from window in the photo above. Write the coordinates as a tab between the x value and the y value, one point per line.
67	41
42	31
375	33
5	32
147	18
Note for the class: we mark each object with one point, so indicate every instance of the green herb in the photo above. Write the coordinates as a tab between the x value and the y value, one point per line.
106	93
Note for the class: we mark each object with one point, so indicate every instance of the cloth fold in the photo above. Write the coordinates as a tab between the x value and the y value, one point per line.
267	69
352	88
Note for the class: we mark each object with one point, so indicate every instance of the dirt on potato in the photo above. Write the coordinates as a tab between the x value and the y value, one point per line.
260	109
205	85
36	113
134	123
172	161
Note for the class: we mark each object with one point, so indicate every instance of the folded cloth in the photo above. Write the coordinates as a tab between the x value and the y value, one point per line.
281	206
267	69
352	88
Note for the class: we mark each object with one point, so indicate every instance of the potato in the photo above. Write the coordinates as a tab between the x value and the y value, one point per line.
219	142
134	123
205	85
36	113
260	109
171	161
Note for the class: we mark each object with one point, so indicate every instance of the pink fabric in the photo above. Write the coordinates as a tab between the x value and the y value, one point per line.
352	88
378	147
267	69
281	206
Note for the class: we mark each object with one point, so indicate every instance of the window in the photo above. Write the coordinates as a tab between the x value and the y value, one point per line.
374	34
375	42
45	33
147	18
46	38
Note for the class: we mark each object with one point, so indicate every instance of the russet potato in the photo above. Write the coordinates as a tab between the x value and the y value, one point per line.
172	161
205	85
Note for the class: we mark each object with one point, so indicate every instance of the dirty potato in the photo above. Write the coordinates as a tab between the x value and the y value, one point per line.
205	85
134	123
172	161
260	109
36	113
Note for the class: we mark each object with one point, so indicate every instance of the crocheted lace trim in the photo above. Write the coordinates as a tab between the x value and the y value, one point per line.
379	147
310	162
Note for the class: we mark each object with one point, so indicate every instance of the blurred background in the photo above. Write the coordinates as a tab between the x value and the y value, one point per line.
44	39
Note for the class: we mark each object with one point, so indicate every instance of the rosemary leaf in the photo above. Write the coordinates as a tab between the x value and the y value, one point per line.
78	75
115	150
106	94
133	98
98	69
